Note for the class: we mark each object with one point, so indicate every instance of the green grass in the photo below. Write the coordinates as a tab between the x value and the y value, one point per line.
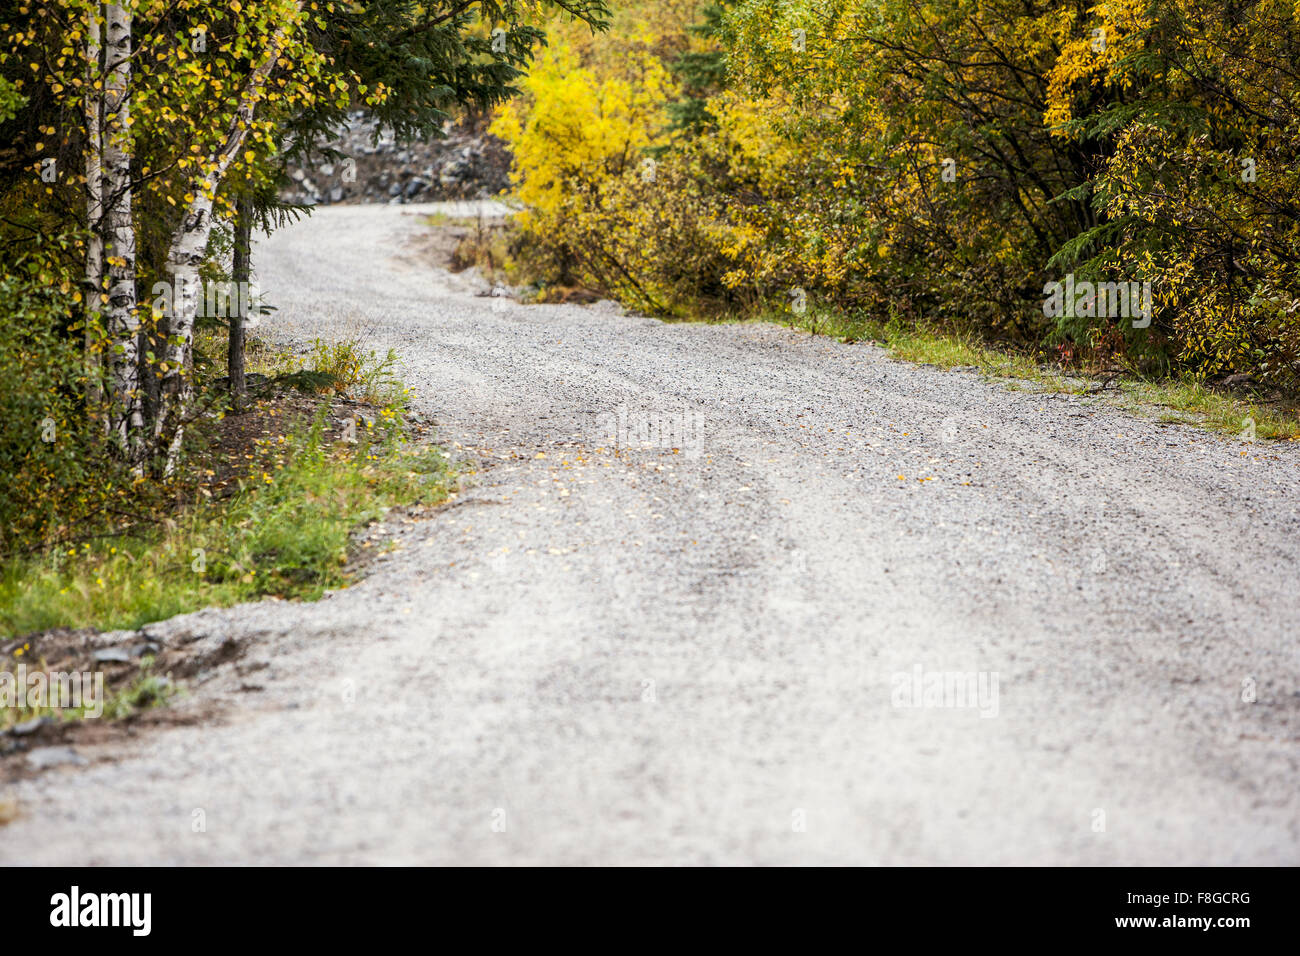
280	525
366	376
143	691
1189	401
1197	405
282	534
146	690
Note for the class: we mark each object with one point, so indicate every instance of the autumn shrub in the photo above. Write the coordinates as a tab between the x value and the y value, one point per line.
607	208
285	532
939	165
1198	104
56	472
346	366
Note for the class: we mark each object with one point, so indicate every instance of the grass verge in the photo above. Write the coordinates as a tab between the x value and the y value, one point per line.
1181	400
287	483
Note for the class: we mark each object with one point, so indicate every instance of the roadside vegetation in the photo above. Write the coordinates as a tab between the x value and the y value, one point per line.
269	503
155	458
152	460
266	506
1174	398
924	173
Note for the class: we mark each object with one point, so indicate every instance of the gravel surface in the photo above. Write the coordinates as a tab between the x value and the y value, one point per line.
680	610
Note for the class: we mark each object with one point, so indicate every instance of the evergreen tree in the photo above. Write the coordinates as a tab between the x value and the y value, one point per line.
702	73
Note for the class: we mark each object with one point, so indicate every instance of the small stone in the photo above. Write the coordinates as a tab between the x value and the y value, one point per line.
112	655
47	757
29	727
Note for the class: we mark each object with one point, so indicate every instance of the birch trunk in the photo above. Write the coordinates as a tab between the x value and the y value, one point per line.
184	257
93	106
126	420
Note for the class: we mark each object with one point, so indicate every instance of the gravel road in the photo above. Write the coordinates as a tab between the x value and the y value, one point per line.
732	594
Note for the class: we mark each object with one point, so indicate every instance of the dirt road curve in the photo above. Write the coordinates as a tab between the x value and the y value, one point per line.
753	650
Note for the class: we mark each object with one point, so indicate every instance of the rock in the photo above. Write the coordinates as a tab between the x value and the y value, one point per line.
113	655
466	162
395	189
113	638
29	727
47	757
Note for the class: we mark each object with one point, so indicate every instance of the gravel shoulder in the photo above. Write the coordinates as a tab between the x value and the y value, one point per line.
690	652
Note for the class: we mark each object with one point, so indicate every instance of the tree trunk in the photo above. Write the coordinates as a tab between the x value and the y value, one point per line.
184	257
125	417
93	105
240	272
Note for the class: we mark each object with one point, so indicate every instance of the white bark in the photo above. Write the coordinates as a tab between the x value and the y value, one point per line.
126	414
185	255
93	104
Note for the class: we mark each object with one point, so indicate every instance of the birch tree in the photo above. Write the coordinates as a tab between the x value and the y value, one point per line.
92	106
190	241
126	418
173	106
